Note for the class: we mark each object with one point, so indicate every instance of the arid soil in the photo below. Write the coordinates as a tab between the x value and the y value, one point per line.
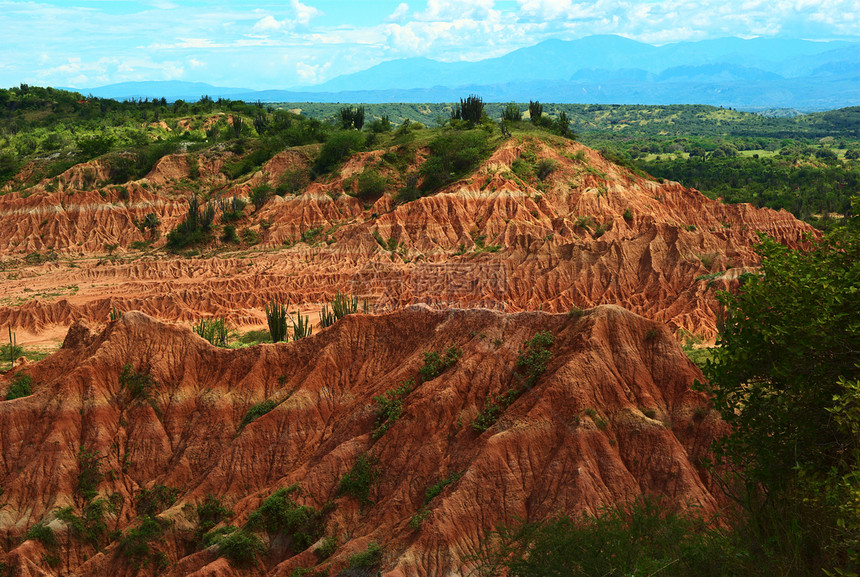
590	233
611	419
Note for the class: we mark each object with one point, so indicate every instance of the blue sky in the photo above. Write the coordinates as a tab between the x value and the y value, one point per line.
291	43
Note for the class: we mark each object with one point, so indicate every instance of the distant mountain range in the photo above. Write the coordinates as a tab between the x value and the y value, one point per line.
751	74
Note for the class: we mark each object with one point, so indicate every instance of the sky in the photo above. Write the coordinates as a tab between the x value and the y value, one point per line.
293	43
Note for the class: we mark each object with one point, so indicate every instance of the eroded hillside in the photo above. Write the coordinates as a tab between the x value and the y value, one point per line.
542	223
119	420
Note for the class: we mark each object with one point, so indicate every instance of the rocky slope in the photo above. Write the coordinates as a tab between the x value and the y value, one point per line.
589	233
612	418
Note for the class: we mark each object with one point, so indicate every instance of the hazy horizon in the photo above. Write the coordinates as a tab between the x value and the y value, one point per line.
304	43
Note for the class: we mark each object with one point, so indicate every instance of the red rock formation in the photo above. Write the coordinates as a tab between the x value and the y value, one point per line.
591	233
611	419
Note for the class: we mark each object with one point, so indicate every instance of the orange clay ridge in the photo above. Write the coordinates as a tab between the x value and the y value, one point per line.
592	233
607	263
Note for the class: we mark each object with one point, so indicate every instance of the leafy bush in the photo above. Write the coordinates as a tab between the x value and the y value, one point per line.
241	548
20	387
380	125
389	406
452	154
42	533
545	167
89	474
338	146
359	479
437	488
135	543
531	364
292	182
150	502
231	210
280	514
371	185
327	548
257	411
434	363
211	512
644	538
260	195
138	385
370	558
228	234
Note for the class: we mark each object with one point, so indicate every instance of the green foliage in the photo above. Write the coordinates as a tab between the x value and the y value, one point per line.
90	527
452	155
358	481
644	538
341	305
512	112
20	387
213	330
389	407
327	548
150	502
380	125
250	237
352	117
470	110
338	146
228	234
89	474
260	195
276	317
370	558
371	185
434	490
210	513
195	229
545	167
136	543
138	385
535	112
782	377
435	363
241	548
279	514
531	364
293	182
42	533
257	411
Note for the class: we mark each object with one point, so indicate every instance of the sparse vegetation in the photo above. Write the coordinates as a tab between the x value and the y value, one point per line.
531	364
138	384
256	411
214	330
358	481
20	387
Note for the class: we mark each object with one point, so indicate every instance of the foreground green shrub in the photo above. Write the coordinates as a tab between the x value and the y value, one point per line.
136	543
645	538
370	558
213	330
338	146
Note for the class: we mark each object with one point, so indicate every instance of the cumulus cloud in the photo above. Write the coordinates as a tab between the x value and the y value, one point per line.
399	14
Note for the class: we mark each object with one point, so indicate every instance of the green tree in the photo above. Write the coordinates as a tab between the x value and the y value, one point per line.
784	377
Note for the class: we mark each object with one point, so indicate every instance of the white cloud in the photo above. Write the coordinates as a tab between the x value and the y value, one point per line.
268	24
399	14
